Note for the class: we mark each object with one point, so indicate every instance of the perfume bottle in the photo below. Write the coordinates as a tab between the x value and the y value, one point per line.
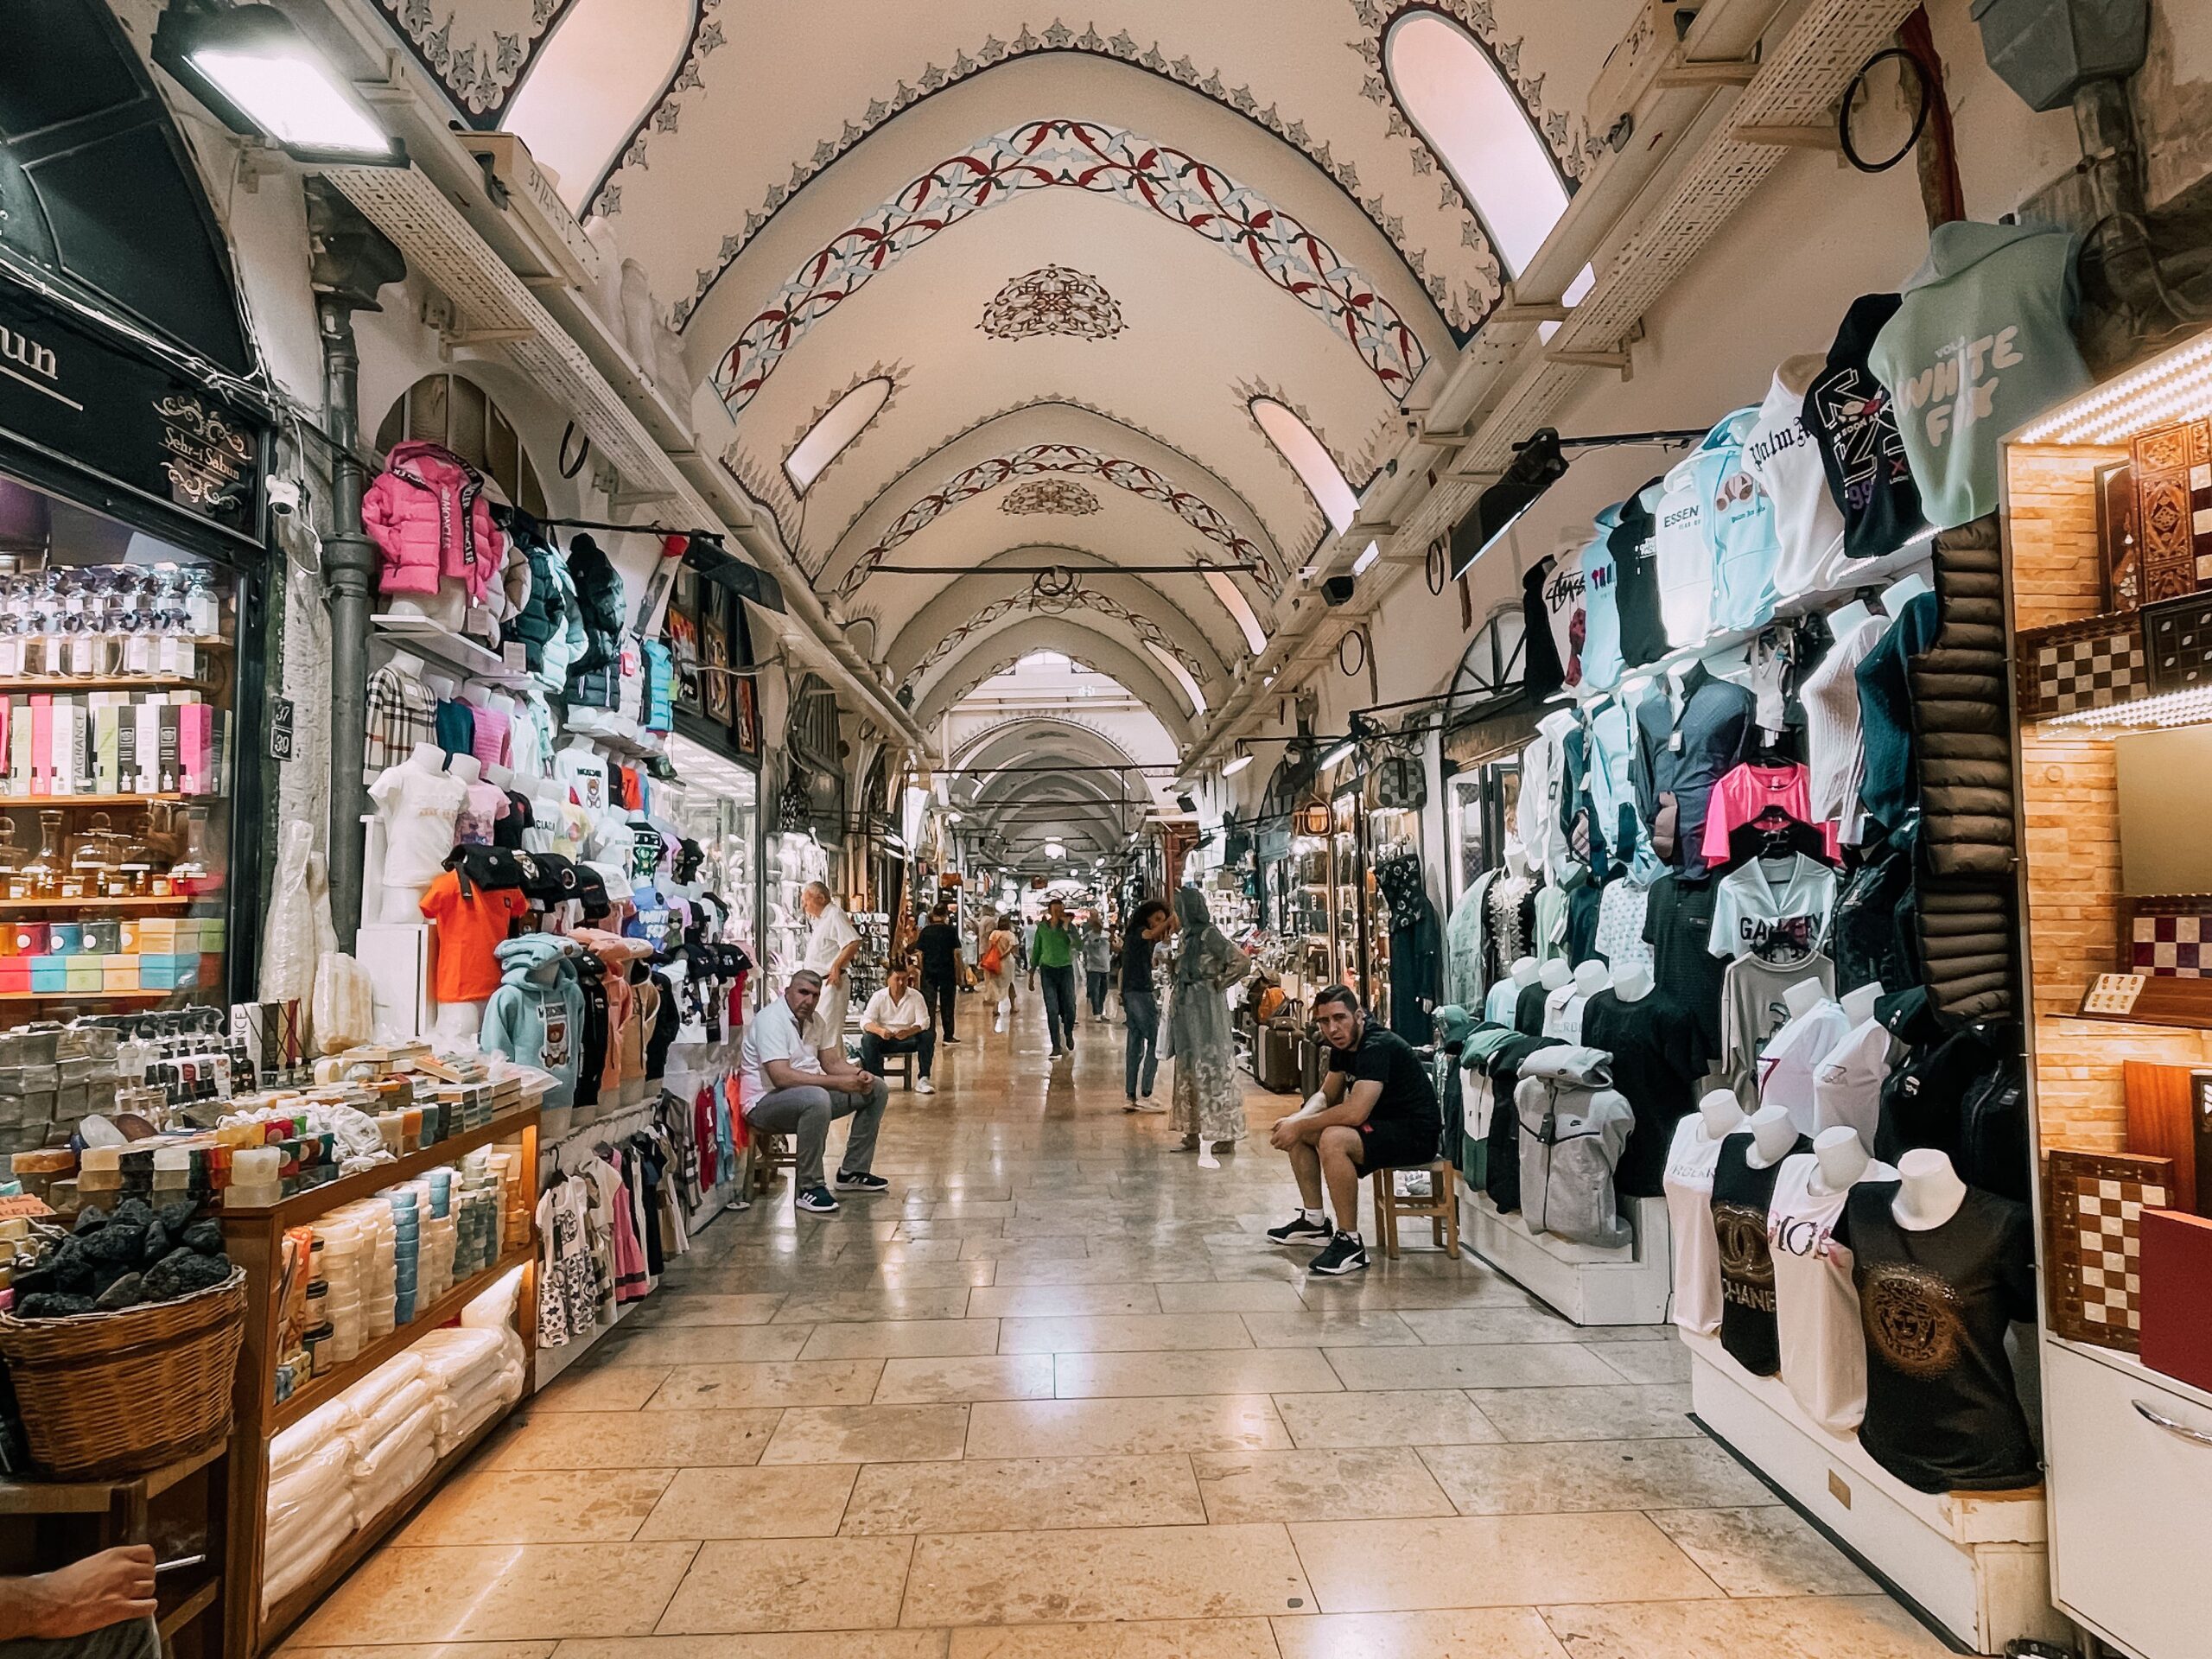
12	882
192	873
42	876
160	844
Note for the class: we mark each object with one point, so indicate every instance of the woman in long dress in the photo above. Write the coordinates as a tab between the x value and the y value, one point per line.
998	988
1207	1102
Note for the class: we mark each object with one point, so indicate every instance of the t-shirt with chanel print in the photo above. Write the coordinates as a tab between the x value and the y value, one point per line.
1741	1195
1942	1411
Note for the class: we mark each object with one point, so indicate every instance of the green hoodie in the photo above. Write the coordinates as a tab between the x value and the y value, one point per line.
537	1024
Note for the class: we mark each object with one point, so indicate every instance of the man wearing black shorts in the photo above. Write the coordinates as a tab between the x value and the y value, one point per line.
1376	1109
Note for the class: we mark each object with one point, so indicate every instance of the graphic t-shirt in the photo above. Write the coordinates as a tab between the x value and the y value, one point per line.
1622	909
1942	1411
1815	1303
1739	524
1565	615
1786	1065
418	809
1783	458
584	770
486	804
1774	909
1408	1103
1741	1195
1847	411
1748	790
1753	1007
1658	1055
1601	616
1688	1181
1635	546
1685	557
1847	1083
469	927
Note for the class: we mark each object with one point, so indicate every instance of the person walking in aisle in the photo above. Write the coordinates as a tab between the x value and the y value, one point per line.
793	1079
897	1022
832	942
938	946
1097	963
996	967
1152	922
1051	953
1206	1102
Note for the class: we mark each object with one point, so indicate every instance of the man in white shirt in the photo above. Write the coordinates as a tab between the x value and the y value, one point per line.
832	942
897	1022
794	1079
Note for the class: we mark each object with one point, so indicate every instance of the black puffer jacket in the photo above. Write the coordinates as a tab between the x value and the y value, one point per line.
544	614
1962	749
594	676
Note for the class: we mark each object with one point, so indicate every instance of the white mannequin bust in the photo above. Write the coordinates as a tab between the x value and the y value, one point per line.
401	901
1839	1157
1802	998
1901	592
1929	1191
1858	1004
1524	972
1722	1112
408	663
476	697
1632	983
1772	1136
1590	978
443	687
501	775
466	767
1849	617
1555	974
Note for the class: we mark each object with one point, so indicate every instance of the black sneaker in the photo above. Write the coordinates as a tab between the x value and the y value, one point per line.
817	1199
859	1180
1299	1231
1344	1254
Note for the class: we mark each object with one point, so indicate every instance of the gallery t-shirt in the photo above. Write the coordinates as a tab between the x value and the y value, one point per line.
1690	1162
1942	1411
1815	1303
469	928
1659	1055
1408	1104
1741	1195
1777	909
417	808
1634	543
1847	411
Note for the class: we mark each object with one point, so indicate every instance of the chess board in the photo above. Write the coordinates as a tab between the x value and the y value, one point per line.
2093	1220
2172	946
2076	665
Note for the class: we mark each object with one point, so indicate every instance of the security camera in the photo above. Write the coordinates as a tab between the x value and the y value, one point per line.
285	497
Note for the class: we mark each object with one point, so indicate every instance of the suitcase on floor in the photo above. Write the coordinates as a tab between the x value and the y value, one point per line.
1274	1059
1312	1062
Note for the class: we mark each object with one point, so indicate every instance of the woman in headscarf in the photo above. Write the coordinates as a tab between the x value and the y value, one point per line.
1207	1103
996	970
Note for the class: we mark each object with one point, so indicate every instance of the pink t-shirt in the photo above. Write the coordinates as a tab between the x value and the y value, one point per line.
490	745
1748	790
485	805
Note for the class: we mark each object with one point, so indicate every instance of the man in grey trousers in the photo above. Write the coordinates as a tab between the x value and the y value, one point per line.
794	1079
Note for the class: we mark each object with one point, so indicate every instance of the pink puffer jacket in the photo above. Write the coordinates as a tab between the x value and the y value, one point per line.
427	514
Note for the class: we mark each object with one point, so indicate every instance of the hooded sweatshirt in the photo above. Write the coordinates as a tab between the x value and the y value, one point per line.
1574	1127
1739	524
1847	411
535	1024
1601	615
1983	344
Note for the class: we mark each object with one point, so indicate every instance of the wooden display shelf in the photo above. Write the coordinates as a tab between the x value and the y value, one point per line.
340	1379
109	683
103	904
7	801
89	995
304	1206
30	1496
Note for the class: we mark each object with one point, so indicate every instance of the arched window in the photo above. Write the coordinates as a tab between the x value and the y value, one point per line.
457	413
1239	607
1455	95
607	63
1181	675
1310	459
1493	668
845	420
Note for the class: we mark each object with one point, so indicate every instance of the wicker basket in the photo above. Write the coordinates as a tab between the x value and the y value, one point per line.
108	1395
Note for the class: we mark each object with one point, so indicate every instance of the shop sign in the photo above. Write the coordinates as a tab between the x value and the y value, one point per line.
68	388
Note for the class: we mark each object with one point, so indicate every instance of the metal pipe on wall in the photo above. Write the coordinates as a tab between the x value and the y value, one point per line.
349	563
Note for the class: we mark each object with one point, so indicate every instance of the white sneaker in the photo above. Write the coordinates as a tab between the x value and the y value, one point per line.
924	1087
1149	1108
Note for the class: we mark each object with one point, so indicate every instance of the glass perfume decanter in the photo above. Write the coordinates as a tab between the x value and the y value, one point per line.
42	876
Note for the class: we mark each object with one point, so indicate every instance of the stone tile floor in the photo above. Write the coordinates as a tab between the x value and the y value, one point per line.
1055	1394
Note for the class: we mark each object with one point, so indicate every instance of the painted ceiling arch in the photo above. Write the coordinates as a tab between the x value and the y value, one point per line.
996	650
1069	810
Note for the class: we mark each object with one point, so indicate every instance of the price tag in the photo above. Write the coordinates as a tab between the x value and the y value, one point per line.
2114	993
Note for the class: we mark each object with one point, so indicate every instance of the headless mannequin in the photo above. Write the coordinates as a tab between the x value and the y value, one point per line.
441	687
1772	1136
401	901
1849	617
407	665
1555	974
1722	1112
458	1022
1929	1191
467	768
1901	592
1802	998
1839	1159
476	697
1859	1005
1524	972
499	775
1589	979
1633	983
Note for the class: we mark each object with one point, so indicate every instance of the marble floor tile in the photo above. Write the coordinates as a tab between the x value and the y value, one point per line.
562	1506
1348	1328
291	1649
1765	1551
1086	1269
793	1501
994	1249
1359	1484
1478	1365
1136	1573
634	1440
1033	1428
1560	1477
843	1644
1829	1627
1626	1411
604	1388
707	1308
1109	1333
877	1302
791	1584
500	1593
902	1339
1648	1362
1002	1376
794	1382
1444	1327
703	1345
1378	1567
1210	1638
1030	1301
1237	1296
1023	1494
868	1434
1213	1371
1384	1417
1462	1633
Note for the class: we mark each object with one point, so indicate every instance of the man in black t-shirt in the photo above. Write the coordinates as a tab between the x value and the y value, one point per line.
1376	1109
938	945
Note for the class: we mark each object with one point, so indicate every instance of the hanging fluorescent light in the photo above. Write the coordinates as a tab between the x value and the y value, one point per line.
1230	768
1365	562
1335	755
259	75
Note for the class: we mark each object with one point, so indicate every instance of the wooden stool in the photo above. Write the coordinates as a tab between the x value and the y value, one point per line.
1440	1208
902	1063
770	1153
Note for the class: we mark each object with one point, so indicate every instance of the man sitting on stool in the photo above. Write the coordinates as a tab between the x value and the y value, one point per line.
1376	1109
897	1022
794	1079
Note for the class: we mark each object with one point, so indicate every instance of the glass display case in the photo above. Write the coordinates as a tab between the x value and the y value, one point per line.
1347	910
118	727
794	858
720	811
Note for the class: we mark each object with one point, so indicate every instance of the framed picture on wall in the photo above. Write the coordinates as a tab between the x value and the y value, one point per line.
682	632
2116	540
745	726
713	638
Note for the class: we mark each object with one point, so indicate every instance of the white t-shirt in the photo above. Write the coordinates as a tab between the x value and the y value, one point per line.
774	1035
418	809
1563	1014
1815	1304
1685	557
892	1013
1778	917
1847	1083
1834	753
828	936
1785	1070
1691	1159
1786	461
584	770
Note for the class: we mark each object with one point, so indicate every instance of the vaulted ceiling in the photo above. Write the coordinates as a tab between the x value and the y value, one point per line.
1074	247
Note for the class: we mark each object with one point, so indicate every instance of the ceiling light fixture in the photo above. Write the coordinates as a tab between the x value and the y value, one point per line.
1365	562
1342	751
256	73
1230	768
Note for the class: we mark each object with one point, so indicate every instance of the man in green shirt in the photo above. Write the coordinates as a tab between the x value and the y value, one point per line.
1053	957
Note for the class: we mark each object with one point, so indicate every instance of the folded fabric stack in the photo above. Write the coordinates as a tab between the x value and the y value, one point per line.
477	1371
310	1500
394	1437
